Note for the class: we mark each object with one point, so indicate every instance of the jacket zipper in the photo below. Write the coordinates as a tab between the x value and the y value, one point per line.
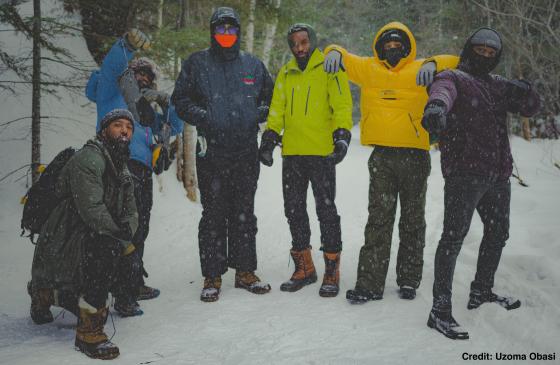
413	126
307	99
338	84
292	104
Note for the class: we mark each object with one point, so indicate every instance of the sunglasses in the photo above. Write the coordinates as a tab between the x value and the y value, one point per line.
227	28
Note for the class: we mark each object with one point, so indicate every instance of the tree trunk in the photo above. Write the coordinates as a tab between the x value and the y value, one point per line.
160	14
270	34
250	32
179	154
526	128
189	162
36	94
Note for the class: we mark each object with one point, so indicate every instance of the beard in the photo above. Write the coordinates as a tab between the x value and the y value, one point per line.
118	150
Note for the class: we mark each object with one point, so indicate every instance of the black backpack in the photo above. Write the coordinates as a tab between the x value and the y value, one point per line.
41	199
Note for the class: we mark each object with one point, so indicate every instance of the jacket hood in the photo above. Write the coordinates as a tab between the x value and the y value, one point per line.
222	15
405	60
481	37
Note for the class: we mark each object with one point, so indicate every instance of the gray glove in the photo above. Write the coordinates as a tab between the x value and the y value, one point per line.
130	91
136	39
155	96
333	62
425	75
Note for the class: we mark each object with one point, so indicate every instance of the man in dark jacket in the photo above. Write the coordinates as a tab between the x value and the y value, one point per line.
467	108
225	94
84	238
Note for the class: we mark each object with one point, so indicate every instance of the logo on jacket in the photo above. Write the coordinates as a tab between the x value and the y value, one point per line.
249	80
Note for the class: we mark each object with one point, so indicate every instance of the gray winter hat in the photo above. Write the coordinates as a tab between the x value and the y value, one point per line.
114	115
487	37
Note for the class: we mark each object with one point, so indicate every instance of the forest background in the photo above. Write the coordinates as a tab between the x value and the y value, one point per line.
530	30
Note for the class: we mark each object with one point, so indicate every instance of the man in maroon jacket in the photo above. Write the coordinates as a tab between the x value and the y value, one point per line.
467	109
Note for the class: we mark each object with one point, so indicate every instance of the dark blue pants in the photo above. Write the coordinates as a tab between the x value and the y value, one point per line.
228	226
464	194
297	173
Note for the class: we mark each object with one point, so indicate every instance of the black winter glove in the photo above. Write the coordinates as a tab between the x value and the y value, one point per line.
270	139
162	161
518	89
434	120
262	113
341	140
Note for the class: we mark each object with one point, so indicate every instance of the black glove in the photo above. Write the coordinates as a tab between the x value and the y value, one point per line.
146	113
262	113
341	140
518	89
162	160
270	139
434	120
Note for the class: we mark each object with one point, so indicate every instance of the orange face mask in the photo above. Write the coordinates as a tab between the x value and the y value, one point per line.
226	40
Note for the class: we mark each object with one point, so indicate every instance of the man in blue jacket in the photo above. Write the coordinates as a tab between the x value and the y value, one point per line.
225	93
118	84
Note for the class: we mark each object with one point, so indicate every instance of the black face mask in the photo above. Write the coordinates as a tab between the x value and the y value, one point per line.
393	56
480	65
118	149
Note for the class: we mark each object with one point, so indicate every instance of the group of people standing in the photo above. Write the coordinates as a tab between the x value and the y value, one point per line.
100	226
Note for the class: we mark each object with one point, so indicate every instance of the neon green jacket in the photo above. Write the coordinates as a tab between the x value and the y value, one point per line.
309	105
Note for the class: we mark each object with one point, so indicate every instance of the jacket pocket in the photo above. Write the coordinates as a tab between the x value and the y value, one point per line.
307	98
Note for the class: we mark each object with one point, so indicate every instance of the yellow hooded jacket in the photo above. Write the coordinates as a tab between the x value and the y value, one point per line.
391	103
309	105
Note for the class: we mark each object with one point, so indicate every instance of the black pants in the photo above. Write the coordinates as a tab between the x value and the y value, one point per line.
297	173
491	199
143	193
100	264
228	226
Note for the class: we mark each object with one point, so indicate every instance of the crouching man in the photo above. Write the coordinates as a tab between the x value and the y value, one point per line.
87	233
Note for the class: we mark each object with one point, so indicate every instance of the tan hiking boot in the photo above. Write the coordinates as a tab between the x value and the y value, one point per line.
249	281
90	337
304	273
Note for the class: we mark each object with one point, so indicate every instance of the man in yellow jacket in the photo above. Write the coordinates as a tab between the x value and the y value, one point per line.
393	96
314	109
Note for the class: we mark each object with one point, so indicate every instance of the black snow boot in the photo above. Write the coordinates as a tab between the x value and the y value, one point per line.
477	298
444	323
361	296
407	292
127	308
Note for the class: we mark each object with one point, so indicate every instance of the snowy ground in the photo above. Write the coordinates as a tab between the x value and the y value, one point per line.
291	328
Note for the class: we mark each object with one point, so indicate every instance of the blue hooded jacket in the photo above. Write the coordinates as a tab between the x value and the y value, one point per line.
103	89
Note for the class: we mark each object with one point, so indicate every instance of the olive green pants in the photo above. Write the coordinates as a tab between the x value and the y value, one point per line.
395	173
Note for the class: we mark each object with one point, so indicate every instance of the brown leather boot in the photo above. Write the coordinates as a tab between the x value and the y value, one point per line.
330	286
90	338
211	290
249	281
41	301
304	273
